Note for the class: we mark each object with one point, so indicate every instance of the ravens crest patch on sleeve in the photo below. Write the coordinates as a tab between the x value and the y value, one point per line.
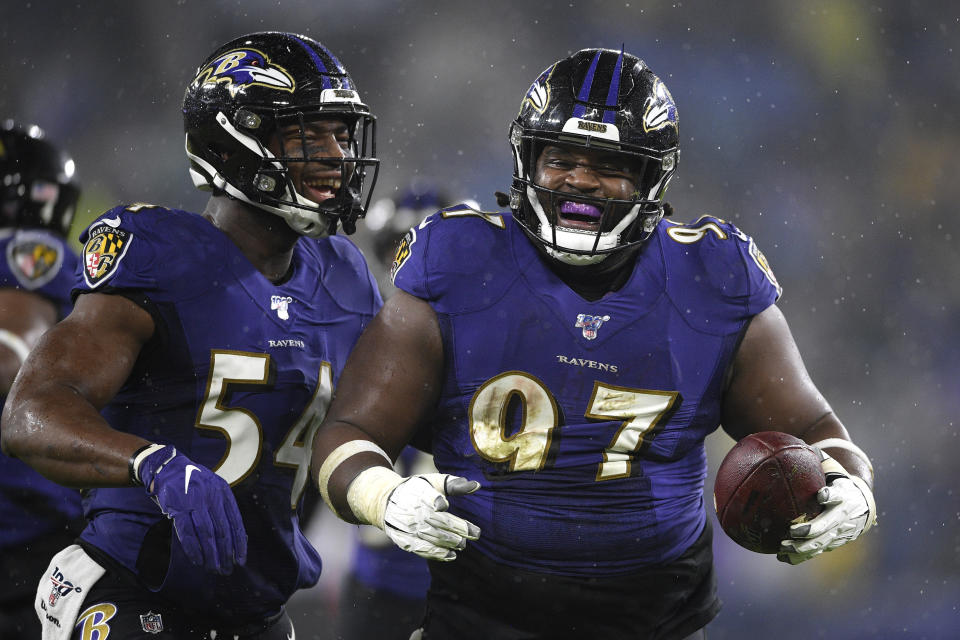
34	259
403	252
105	247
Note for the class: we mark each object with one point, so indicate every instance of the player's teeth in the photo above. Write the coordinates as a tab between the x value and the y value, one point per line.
335	184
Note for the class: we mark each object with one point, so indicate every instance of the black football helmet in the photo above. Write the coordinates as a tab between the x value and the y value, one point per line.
249	89
595	99
38	187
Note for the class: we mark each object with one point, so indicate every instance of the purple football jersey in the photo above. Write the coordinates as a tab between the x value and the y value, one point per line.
30	505
238	375
584	421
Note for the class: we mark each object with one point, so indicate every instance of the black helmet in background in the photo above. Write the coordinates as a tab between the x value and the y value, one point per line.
38	187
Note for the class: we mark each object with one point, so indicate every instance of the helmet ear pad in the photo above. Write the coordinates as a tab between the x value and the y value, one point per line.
596	99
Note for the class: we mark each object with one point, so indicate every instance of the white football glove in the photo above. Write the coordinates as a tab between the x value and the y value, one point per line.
849	511
416	517
413	511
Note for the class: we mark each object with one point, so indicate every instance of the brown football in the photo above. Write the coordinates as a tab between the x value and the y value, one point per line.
766	482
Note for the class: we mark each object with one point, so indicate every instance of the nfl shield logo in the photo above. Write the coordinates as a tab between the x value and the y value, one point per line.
151	622
281	304
590	324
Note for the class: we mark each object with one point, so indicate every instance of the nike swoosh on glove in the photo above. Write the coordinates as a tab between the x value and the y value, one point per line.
202	506
416	517
849	511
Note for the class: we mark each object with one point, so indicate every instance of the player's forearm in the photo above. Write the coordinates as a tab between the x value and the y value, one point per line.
61	435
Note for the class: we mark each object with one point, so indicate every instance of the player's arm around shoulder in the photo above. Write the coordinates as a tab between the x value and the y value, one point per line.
769	389
389	385
51	418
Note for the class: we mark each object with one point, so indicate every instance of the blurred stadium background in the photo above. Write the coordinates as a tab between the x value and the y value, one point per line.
827	130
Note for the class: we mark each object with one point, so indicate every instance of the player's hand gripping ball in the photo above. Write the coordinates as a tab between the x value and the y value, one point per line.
767	482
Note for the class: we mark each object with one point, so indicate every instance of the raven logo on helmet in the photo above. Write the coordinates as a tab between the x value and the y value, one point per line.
661	110
539	93
241	68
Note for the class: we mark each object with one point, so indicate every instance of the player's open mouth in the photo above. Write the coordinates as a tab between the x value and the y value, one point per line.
578	215
320	189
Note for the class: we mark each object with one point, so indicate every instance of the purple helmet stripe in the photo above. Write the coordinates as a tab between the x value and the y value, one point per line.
613	95
584	95
345	80
322	67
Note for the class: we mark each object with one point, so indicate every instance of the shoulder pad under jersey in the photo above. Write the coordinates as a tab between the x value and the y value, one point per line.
450	253
712	259
144	246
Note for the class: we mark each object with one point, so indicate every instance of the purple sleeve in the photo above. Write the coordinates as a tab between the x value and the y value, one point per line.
409	269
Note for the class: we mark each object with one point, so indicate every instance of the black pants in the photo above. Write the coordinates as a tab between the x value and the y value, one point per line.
21	571
473	597
118	606
372	614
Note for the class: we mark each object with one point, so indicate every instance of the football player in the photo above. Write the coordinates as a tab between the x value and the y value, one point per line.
569	358
183	391
38	197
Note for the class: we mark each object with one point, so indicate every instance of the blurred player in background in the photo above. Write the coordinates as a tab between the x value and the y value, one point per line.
183	391
385	588
384	591
568	359
389	219
38	197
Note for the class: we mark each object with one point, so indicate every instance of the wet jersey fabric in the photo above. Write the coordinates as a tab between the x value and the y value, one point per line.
237	377
31	506
584	421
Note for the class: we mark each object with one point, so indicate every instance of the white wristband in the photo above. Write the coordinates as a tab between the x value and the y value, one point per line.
840	443
140	457
337	457
15	343
368	493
